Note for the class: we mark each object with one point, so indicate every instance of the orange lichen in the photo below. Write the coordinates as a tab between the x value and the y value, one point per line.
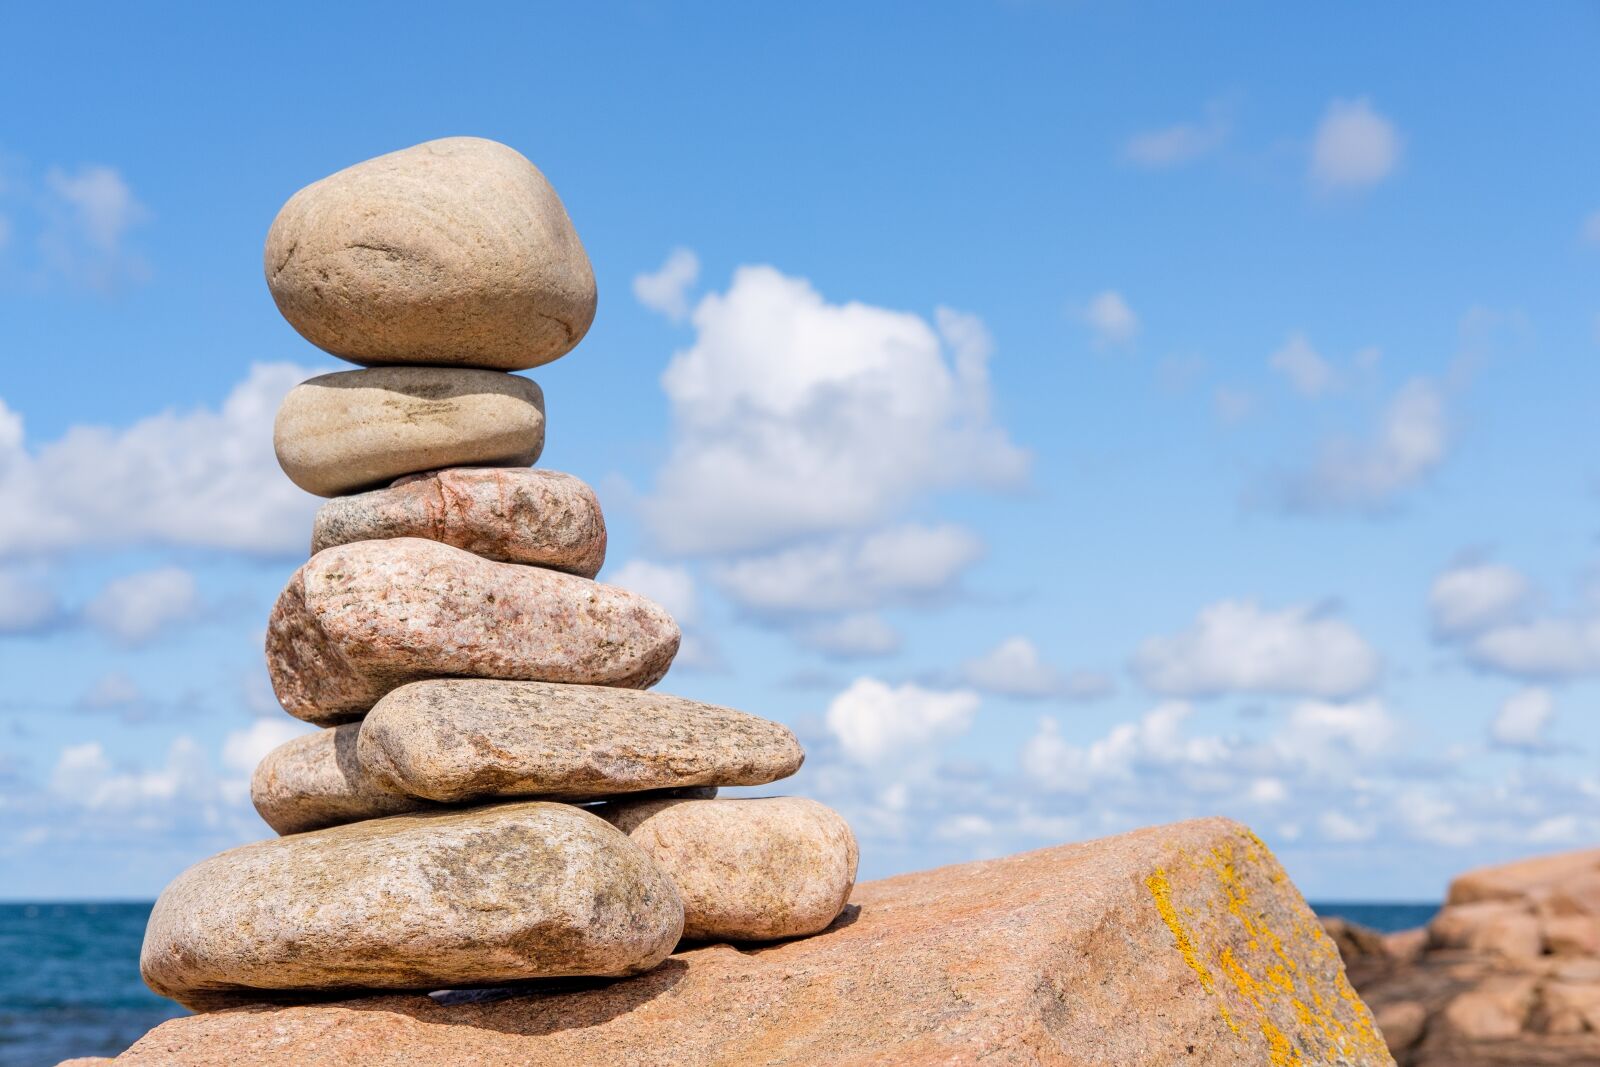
1161	890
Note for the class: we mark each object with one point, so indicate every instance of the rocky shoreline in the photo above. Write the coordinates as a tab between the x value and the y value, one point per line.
1507	973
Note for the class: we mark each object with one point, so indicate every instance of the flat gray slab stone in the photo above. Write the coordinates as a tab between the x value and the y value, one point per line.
428	901
454	740
358	620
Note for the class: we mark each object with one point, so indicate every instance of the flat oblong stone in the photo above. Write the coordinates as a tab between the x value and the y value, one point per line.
358	620
454	252
428	901
747	869
356	429
456	740
540	517
315	780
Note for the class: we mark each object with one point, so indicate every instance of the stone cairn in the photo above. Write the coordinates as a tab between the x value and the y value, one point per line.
494	796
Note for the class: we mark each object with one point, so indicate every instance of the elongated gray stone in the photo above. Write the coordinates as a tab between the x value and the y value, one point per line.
358	620
356	429
315	780
456	251
747	869
457	740
427	901
540	517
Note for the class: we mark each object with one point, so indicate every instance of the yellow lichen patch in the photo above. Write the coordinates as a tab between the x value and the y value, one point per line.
1279	1051
1161	889
1291	981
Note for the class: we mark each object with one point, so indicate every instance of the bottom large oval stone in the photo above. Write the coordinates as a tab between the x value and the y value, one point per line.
748	870
426	901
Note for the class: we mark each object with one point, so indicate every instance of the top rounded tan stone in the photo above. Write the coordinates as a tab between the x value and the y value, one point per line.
455	252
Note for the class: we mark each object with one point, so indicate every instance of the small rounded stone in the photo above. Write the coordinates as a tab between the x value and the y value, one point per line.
747	870
353	430
454	252
315	780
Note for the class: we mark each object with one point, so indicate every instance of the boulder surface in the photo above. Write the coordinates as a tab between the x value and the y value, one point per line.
1182	944
1507	973
462	739
357	429
496	894
358	620
456	251
541	517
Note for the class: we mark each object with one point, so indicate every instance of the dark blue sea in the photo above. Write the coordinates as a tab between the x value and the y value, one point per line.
69	982
69	976
1385	918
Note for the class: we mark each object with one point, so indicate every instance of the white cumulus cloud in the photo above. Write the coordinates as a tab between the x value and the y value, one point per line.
1522	719
1239	647
202	478
1549	648
1016	668
856	636
1354	147
898	564
27	604
666	290
875	722
1475	596
134	608
1411	441
792	416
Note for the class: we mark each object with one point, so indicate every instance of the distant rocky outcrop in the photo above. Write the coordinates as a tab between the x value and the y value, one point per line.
1507	973
1183	944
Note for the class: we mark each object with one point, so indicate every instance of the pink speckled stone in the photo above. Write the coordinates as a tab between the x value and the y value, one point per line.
358	620
542	517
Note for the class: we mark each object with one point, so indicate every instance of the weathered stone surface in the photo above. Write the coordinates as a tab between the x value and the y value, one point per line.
1402	1024
315	780
1506	974
1571	935
465	739
1181	944
356	429
1496	1008
540	517
1463	925
456	251
747	869
1513	881
358	620
425	901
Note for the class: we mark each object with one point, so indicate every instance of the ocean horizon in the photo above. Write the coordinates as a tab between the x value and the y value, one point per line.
70	985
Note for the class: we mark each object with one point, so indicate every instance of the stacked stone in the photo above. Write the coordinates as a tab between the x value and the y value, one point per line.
494	795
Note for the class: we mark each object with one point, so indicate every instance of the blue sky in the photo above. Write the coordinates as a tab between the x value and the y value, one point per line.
1118	413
